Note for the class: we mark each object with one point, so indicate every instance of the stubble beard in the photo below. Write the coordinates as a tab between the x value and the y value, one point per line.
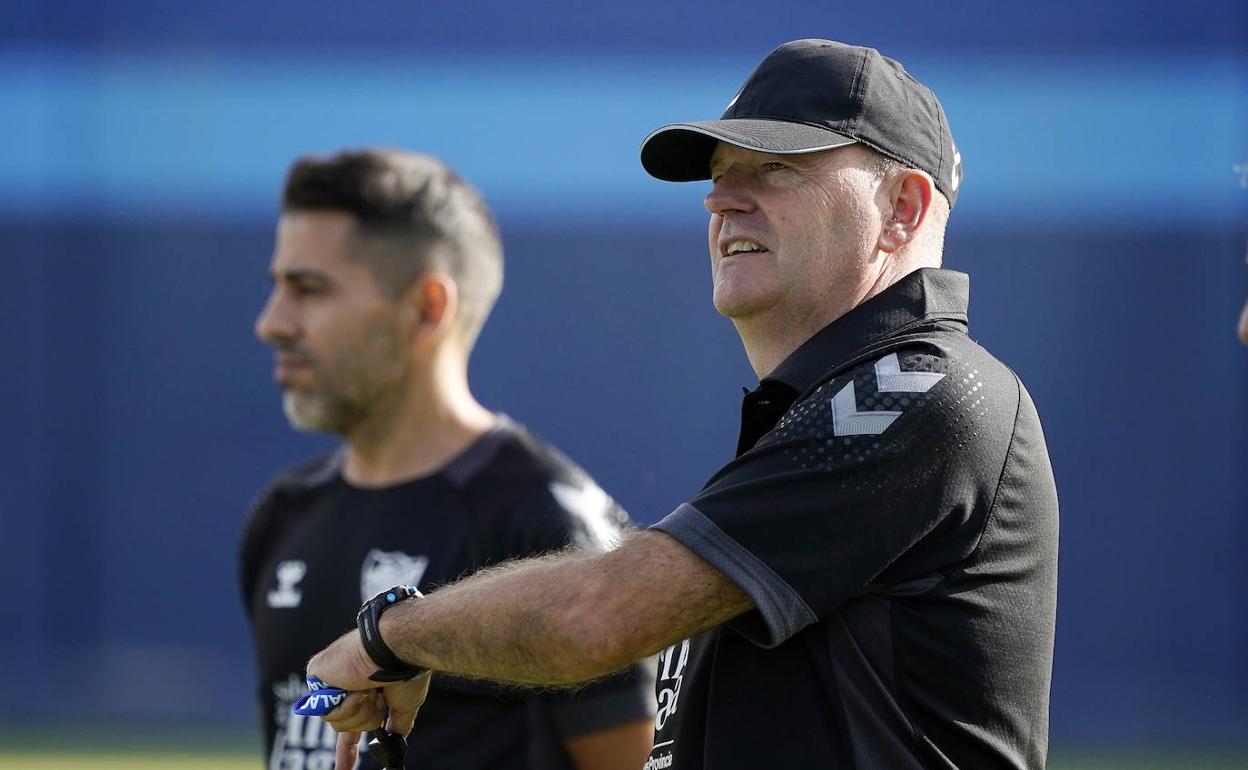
319	413
359	383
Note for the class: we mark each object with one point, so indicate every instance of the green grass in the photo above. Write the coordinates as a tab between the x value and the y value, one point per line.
145	761
1168	760
124	747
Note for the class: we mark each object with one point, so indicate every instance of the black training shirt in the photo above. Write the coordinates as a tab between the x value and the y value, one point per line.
315	547
892	513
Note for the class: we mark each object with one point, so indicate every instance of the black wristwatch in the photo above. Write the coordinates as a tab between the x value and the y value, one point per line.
391	668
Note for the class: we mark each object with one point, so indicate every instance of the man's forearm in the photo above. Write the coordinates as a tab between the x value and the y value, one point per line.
565	618
530	621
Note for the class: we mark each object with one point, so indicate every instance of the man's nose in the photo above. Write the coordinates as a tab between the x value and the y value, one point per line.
731	191
274	324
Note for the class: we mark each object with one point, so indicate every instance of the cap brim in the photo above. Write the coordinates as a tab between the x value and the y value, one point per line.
681	152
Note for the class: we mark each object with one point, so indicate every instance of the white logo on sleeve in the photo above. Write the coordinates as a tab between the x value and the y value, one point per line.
592	507
889	378
386	569
286	596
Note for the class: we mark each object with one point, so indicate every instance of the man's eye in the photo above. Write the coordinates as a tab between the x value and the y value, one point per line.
774	165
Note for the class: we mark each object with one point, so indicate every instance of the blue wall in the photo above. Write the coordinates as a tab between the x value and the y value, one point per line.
141	156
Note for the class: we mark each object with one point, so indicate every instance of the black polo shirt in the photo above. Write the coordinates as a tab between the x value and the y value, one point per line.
892	513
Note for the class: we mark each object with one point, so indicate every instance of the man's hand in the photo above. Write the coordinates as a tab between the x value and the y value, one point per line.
345	665
367	711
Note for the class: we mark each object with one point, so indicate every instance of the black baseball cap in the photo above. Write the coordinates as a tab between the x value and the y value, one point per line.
813	95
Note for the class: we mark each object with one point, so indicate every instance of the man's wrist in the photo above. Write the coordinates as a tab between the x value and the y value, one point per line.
391	668
390	627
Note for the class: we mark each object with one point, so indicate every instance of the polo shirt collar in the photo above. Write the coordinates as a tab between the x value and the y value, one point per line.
924	296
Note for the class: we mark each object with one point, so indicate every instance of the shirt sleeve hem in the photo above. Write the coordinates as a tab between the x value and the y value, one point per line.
591	713
781	608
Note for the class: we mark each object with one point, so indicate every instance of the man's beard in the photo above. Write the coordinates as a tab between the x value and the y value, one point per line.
321	412
356	384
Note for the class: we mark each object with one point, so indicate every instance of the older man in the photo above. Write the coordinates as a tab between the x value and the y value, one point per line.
871	582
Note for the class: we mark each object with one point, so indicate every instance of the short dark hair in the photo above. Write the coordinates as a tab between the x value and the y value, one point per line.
426	216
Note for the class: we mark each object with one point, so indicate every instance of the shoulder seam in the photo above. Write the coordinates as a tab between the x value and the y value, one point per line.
862	357
465	468
1009	452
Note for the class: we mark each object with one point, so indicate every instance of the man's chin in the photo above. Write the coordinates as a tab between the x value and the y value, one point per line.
741	293
740	307
304	412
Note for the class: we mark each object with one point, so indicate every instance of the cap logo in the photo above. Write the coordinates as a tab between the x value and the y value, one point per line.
956	174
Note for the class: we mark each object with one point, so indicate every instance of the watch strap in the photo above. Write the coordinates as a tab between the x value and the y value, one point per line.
368	620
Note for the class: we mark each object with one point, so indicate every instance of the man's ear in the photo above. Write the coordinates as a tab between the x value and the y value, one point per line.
434	302
909	197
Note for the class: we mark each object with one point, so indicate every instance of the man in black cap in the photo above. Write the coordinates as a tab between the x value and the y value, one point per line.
871	582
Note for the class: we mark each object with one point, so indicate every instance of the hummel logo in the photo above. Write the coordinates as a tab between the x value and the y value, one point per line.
889	378
285	596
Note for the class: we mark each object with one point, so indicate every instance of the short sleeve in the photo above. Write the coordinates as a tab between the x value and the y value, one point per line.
531	499
573	510
620	698
870	482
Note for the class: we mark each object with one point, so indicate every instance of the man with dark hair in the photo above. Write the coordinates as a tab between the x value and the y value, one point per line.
385	269
871	582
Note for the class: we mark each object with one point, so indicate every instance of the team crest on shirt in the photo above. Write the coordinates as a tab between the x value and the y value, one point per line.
386	569
286	596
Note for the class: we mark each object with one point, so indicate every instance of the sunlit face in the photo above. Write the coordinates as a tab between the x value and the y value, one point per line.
791	234
339	342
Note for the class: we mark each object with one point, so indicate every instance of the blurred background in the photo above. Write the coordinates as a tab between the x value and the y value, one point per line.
142	147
